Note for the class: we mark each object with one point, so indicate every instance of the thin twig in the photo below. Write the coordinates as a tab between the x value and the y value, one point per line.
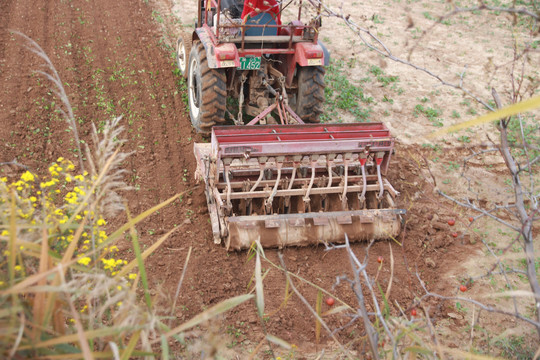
306	303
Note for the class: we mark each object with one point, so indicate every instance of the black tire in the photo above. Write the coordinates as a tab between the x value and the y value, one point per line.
310	95
207	92
183	49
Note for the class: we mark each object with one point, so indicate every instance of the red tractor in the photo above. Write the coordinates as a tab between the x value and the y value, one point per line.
287	183
243	51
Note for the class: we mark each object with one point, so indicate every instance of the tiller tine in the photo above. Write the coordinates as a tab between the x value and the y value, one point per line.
295	185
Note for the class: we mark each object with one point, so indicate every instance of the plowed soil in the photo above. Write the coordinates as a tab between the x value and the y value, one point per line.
113	60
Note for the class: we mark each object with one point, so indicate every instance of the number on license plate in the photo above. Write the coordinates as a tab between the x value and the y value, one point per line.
250	63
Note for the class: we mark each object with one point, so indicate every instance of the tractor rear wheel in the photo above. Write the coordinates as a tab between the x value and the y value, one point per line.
310	95
207	91
183	48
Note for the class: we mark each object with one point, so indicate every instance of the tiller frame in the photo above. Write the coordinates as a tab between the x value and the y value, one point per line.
298	184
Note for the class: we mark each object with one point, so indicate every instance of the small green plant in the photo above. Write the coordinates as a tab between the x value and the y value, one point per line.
385	80
341	94
432	114
387	99
452	165
514	347
377	19
427	15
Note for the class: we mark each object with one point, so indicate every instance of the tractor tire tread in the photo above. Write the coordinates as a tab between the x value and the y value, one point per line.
214	93
310	97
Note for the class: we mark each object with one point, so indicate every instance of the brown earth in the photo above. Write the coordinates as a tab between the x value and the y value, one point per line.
112	59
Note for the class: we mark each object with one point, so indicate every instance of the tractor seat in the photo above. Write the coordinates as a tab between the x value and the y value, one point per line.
262	18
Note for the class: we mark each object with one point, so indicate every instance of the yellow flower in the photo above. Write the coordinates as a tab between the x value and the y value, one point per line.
4	179
47	184
108	263
113	248
84	308
5	233
18	267
119	287
84	260
78	190
119	304
33	199
71	198
27	176
132	276
68	178
60	159
101	222
102	235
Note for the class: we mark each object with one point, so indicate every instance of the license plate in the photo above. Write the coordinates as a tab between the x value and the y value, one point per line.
314	62
227	63
250	63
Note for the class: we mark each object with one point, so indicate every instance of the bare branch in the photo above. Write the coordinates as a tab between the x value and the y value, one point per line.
468	205
477	303
374	43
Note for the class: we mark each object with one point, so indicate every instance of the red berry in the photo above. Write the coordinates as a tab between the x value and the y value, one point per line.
471	219
454	234
330	301
380	259
451	222
413	312
462	288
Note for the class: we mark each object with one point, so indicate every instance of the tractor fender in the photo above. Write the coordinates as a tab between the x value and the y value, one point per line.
218	56
326	53
307	54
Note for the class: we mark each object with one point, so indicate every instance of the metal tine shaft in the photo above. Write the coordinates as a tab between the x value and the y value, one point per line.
362	196
312	180
346	158
296	164
381	185
292	176
378	160
329	161
262	166
226	163
268	202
